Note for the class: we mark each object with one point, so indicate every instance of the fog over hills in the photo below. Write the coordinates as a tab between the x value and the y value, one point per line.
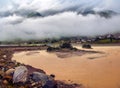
39	19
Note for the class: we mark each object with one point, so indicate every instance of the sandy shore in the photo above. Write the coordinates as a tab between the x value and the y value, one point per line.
92	70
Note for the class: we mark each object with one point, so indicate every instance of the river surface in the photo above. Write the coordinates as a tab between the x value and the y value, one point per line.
91	70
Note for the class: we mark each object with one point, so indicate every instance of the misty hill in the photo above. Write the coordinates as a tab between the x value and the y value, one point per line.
104	13
34	14
22	13
107	13
5	14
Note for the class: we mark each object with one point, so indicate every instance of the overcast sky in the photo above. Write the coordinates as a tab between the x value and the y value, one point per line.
47	4
64	22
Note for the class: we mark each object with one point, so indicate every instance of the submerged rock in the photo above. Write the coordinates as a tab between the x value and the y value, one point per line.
87	46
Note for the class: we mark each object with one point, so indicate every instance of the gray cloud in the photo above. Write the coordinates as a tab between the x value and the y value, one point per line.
50	7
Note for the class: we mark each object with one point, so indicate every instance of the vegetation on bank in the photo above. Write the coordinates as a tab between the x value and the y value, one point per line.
62	46
106	39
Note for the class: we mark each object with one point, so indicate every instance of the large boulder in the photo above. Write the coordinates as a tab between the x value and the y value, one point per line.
20	74
37	76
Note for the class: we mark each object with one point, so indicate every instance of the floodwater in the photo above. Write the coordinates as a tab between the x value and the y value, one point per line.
91	70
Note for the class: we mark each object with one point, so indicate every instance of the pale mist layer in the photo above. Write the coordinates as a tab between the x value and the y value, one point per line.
64	24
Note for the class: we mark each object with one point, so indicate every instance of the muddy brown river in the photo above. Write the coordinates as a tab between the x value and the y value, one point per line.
91	70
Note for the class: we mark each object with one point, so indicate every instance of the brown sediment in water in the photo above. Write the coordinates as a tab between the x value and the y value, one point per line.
72	53
92	70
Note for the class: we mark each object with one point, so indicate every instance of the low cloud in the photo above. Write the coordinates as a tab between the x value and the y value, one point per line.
64	24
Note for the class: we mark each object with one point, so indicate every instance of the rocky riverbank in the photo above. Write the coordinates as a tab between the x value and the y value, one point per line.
9	73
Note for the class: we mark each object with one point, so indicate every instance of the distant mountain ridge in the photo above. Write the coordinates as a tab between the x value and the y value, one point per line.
32	14
104	13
